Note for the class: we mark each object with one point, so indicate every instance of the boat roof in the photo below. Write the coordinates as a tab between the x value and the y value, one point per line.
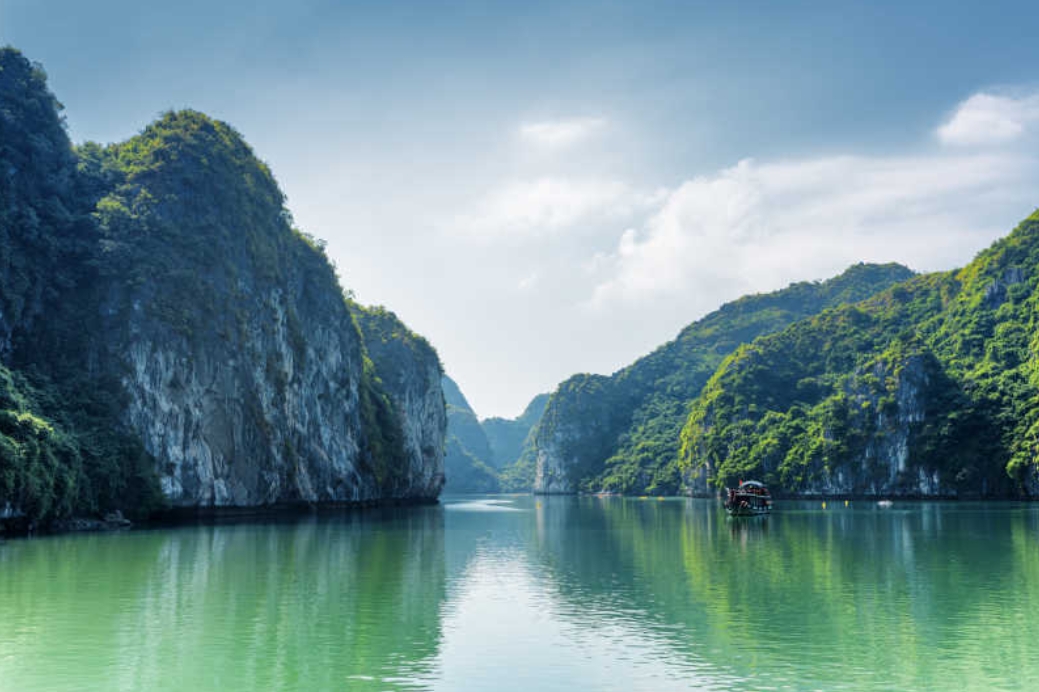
751	484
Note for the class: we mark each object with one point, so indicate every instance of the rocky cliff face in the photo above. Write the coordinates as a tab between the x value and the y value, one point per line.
885	465
246	418
409	373
575	432
164	329
552	472
243	367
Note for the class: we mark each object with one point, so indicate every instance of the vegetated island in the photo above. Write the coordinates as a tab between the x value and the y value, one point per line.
169	340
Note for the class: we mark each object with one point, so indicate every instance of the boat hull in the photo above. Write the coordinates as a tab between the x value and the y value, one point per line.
748	511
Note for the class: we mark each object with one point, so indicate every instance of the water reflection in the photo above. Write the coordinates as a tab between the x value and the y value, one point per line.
525	593
324	603
921	597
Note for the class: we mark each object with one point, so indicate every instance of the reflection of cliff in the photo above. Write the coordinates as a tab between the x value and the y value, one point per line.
342	602
903	599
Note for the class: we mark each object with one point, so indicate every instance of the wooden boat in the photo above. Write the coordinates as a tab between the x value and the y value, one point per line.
751	498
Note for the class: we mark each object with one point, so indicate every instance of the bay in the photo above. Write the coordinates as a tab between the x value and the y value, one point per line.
536	593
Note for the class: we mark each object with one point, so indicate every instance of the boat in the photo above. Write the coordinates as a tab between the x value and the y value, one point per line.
751	498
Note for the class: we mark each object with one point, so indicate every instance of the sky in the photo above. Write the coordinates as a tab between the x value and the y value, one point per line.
547	188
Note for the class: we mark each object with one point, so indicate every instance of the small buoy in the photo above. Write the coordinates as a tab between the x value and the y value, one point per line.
845	503
824	504
642	497
660	499
538	505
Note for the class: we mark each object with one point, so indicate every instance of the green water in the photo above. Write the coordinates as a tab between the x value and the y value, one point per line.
536	594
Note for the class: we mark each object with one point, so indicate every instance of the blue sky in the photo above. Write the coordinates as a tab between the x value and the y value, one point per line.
548	188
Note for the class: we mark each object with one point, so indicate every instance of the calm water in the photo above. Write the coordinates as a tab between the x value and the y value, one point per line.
540	594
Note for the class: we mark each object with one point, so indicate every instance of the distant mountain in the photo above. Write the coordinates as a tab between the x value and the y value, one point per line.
453	395
480	454
507	436
929	388
513	441
621	432
468	460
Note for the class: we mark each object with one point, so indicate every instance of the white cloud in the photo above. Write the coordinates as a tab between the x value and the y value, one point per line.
760	225
559	134
986	119
545	206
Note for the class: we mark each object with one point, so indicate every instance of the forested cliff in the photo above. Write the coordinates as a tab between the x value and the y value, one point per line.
620	433
169	338
929	388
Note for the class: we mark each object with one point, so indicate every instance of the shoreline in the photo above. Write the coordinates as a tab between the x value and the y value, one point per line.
810	497
21	527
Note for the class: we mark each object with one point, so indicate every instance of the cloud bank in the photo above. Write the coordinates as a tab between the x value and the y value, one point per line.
758	225
761	224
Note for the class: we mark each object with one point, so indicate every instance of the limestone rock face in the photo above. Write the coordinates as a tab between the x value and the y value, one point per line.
575	433
890	413
884	465
551	475
410	374
247	374
248	416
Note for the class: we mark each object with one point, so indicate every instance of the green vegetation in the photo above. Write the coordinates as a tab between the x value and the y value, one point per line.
59	456
944	361
62	448
465	472
172	213
621	433
386	457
